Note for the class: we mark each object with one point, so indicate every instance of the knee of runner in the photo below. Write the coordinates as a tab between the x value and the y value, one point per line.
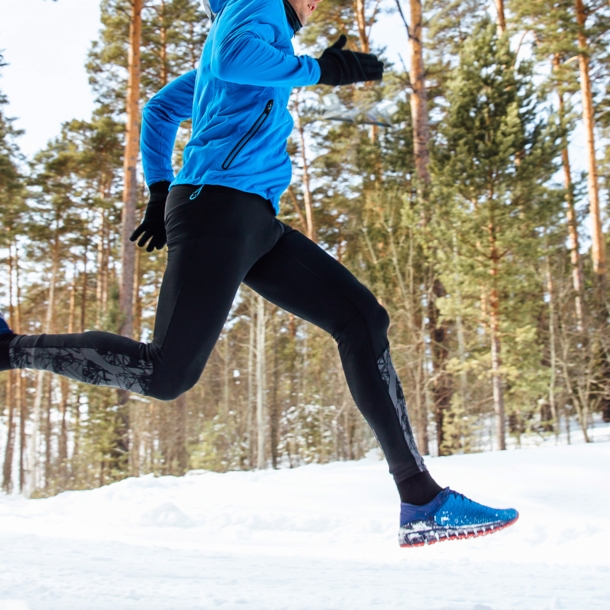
379	321
370	325
170	387
164	394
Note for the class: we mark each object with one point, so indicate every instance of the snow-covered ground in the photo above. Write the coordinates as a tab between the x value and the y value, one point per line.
316	537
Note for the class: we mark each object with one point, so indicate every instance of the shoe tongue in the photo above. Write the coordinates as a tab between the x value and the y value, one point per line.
410	512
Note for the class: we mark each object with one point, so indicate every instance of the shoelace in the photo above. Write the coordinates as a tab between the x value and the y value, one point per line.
459	495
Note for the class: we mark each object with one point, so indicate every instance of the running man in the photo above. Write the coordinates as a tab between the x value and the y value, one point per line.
219	221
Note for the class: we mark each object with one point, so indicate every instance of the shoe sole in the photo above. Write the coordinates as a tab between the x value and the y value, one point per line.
433	536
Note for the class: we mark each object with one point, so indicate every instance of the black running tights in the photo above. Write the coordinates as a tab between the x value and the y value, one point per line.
217	240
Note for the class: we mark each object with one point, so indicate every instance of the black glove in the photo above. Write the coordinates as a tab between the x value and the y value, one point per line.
152	226
338	67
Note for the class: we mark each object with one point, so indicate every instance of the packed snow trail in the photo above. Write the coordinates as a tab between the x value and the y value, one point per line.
316	537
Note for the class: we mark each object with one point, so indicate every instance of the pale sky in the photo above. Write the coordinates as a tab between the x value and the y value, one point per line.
45	44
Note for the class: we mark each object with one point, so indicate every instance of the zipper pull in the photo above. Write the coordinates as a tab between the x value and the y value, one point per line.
269	106
196	193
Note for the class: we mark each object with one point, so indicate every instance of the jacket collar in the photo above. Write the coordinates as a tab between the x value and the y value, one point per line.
292	17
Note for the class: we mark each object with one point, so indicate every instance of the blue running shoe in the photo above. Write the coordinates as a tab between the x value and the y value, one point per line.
448	517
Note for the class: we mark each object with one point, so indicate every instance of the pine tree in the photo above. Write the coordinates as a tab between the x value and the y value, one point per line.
494	152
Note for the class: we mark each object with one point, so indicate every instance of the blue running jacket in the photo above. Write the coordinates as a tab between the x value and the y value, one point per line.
238	100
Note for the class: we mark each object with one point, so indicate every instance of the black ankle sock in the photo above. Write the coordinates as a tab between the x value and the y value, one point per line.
419	489
5	341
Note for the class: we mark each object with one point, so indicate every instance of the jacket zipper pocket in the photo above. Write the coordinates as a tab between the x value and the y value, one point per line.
248	135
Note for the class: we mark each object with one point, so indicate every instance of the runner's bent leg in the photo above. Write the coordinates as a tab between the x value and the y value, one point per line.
212	242
300	277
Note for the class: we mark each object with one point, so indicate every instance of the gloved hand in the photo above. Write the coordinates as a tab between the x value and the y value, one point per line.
152	226
338	67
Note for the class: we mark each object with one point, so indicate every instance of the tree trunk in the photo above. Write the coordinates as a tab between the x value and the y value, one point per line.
307	199
274	410
23	416
137	301
181	457
83	299
297	209
361	23
442	387
130	192
459	324
64	386
261	460
130	197
135	419
579	395
573	237
552	349
419	96
163	54
226	379
62	457
439	336
291	370
7	470
573	240
49	473
46	327
496	376
365	47
251	403
101	274
33	465
501	17
72	306
597	239
494	331
20	388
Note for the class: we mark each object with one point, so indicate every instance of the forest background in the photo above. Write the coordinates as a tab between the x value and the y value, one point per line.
447	188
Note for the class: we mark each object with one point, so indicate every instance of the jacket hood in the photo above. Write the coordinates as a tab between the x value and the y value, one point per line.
212	7
217	5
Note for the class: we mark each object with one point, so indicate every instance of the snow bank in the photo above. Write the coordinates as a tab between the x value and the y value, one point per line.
317	537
